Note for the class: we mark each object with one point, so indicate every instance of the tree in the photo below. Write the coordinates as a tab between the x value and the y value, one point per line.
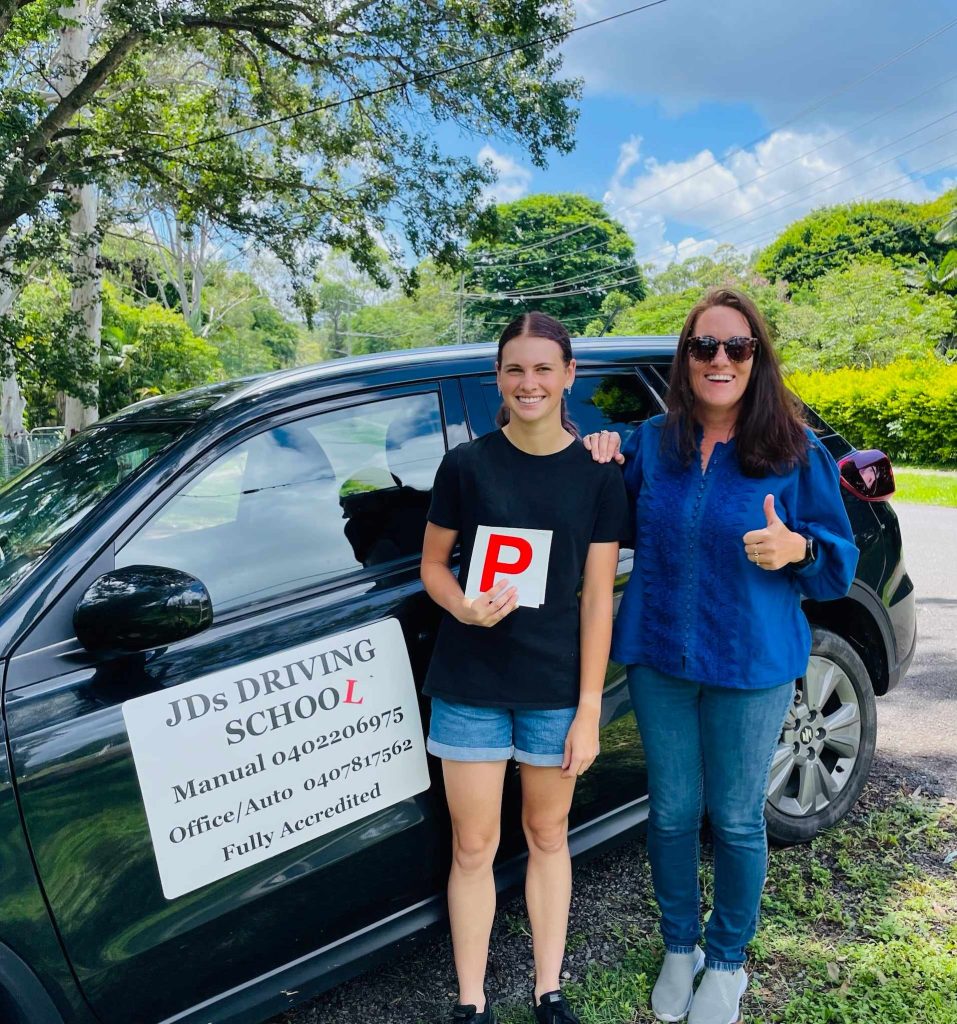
353	92
429	317
150	351
345	99
863	315
252	336
561	254
835	237
675	289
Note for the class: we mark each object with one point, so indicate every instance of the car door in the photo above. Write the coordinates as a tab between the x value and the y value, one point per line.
306	530
612	398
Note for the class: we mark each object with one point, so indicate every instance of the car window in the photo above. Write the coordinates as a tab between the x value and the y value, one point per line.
303	503
612	401
49	498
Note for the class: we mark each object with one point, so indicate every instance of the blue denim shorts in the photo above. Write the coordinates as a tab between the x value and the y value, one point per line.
464	732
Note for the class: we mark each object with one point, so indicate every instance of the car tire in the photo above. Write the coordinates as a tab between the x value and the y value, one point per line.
824	755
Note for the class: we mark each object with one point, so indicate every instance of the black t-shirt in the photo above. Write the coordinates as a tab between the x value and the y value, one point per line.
531	658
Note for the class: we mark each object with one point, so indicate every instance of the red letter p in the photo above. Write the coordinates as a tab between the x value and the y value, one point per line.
494	564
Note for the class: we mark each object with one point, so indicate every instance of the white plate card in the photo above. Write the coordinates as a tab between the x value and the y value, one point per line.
519	556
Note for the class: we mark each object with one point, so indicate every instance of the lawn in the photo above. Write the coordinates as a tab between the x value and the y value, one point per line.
925	486
860	927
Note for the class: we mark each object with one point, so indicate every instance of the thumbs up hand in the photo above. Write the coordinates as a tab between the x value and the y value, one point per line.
774	545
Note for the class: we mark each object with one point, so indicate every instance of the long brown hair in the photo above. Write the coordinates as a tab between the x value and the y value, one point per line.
770	432
537	325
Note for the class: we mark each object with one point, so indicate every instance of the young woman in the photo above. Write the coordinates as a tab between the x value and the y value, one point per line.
739	514
519	663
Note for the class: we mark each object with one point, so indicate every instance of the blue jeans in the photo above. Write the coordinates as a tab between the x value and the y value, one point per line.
707	747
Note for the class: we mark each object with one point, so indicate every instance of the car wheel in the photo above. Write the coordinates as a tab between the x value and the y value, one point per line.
827	744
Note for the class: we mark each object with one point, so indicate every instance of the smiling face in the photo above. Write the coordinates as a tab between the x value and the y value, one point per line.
531	376
719	385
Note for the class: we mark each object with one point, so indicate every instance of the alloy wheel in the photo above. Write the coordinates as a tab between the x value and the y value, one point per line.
820	742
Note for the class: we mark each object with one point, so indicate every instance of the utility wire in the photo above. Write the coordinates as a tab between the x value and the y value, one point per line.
578	279
761	138
741	184
413	79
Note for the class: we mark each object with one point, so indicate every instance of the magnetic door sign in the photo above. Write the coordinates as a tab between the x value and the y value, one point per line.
243	764
519	556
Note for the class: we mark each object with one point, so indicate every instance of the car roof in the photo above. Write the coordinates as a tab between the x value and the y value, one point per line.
420	363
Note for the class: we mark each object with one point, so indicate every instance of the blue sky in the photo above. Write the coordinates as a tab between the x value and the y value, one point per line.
695	128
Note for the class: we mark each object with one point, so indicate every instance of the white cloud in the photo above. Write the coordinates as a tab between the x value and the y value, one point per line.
513	179
747	196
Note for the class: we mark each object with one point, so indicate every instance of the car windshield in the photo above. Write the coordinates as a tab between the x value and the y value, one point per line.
50	497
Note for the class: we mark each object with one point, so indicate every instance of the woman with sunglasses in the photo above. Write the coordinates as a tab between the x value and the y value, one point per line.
738	513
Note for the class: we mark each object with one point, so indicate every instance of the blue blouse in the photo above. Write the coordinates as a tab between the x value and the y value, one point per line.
696	607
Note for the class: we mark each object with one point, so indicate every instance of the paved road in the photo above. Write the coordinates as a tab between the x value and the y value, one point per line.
917	722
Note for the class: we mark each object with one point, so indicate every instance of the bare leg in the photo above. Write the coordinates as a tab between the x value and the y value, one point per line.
474	793
546	798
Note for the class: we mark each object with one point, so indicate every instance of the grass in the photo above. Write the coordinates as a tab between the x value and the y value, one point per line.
859	927
926	486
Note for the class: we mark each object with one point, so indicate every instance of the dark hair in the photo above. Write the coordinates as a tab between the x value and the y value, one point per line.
537	325
770	433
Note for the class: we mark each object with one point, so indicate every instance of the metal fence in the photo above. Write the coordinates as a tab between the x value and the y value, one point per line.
18	453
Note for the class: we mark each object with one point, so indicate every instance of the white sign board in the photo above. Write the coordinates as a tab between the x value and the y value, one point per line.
248	762
519	556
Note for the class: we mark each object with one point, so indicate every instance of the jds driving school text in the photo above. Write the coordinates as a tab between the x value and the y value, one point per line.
247	762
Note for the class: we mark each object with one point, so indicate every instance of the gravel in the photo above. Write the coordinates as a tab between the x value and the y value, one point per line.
612	898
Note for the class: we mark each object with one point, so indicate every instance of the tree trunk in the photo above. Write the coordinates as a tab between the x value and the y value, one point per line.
86	299
12	402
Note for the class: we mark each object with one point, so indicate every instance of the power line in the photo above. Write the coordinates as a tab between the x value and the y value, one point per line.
761	138
577	279
743	184
413	79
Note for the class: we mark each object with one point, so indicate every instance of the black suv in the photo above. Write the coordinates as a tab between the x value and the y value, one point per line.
214	796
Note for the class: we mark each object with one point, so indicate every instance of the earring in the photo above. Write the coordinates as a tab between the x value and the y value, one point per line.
568	390
499	390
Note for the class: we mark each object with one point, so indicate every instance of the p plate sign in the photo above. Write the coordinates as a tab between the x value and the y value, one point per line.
517	555
248	762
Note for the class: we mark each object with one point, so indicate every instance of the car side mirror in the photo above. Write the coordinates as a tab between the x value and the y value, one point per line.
140	607
868	475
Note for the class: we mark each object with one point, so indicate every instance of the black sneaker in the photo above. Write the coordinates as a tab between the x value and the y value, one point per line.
552	1009
467	1014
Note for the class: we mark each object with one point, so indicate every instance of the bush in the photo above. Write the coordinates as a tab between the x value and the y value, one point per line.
907	409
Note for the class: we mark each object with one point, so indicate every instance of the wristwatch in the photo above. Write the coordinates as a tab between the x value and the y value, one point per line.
810	554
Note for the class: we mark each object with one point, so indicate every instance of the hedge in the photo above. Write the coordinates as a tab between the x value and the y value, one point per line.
907	409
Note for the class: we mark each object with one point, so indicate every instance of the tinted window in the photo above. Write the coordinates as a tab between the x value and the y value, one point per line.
303	503
50	497
615	401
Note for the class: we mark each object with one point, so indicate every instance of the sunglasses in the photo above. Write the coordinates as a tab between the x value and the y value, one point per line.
738	350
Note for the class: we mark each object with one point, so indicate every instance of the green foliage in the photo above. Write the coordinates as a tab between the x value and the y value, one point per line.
148	350
863	315
674	290
249	334
907	409
429	317
658	314
40	332
512	259
834	237
335	166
